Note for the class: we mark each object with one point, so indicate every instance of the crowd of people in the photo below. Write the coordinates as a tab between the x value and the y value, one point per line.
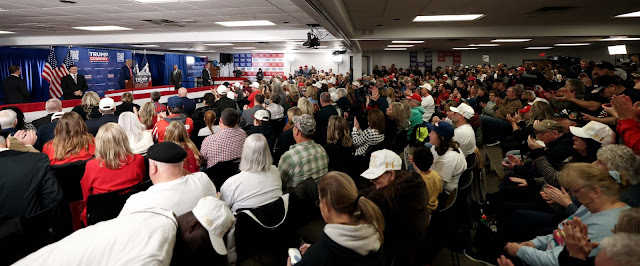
385	155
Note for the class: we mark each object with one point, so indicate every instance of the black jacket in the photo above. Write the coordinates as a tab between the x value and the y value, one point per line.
15	90
395	139
38	123
69	86
340	158
328	252
94	125
95	112
322	121
126	107
266	131
198	117
284	142
225	103
45	134
556	152
206	78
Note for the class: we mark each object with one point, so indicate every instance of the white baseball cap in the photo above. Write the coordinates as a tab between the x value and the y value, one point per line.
463	109
222	89
356	83
427	86
596	131
107	104
261	115
237	84
217	218
231	96
255	85
318	85
380	162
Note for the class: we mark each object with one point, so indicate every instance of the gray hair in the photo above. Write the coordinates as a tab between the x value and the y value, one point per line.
256	156
622	159
131	126
342	92
3	142
53	105
8	118
623	248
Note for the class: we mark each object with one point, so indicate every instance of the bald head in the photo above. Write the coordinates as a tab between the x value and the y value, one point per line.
160	172
182	92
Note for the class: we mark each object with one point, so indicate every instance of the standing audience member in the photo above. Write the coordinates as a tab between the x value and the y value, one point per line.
175	105
107	109
427	103
247	115
226	145
139	138
339	146
173	189
416	112
89	108
258	182
71	143
155	99
178	134
396	126
372	136
115	166
305	159
198	115
448	160
223	99
255	89
322	118
261	126
52	106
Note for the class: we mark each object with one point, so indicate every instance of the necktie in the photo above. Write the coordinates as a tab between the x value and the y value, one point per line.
130	73
75	78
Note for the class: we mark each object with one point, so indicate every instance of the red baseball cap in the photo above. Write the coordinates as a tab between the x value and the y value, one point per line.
526	109
520	68
416	97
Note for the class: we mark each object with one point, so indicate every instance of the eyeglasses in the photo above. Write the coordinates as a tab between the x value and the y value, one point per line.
573	192
541	132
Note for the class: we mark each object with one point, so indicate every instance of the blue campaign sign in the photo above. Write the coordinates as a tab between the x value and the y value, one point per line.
195	65
101	67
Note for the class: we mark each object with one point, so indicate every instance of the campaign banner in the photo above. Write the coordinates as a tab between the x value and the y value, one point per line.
100	67
141	72
272	64
413	59
195	65
428	59
441	56
457	57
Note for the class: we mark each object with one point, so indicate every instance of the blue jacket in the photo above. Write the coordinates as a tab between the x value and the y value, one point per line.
124	75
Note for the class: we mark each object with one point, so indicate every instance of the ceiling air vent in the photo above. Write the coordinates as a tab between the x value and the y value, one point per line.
164	22
552	9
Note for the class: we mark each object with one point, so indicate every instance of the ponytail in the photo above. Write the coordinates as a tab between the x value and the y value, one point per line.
369	213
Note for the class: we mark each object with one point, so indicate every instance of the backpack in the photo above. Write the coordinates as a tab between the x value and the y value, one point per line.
419	135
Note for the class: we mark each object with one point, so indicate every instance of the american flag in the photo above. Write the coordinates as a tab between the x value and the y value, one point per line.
52	74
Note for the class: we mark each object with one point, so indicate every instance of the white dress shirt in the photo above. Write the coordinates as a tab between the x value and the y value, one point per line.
180	195
249	190
145	237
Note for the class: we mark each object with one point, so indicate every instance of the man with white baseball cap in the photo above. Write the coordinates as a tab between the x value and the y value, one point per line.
107	108
428	103
463	134
255	89
596	131
261	126
215	217
382	166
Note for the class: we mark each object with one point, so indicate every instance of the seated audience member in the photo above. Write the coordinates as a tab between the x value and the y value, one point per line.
305	159
226	145
371	136
463	134
448	160
210	127
107	109
573	87
127	104
115	166
146	237
255	90
627	127
89	108
47	132
354	230
417	111
339	146
52	106
489	108
322	117
198	115
178	134
247	115
606	87
258	182
223	100
155	99
402	197
71	143
175	108
18	120
396	125
620	158
598	192
494	128
261	126
423	159
139	138
23	141
148	116
189	105
173	189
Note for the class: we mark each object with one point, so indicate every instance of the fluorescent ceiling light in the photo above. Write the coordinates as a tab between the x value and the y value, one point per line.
407	42
180	49
620	38
244	48
321	46
511	40
5	32
144	45
218	44
617	49
400	45
245	23
538	48
295	43
484	45
395	49
102	28
464	48
572	44
438	18
629	15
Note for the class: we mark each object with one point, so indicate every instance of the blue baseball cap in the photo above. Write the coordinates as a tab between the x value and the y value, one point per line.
174	102
443	129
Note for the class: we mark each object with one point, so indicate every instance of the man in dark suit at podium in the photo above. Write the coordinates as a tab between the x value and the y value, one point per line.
206	75
176	77
15	88
125	73
74	84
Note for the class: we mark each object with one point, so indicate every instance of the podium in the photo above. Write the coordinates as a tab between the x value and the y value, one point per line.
128	84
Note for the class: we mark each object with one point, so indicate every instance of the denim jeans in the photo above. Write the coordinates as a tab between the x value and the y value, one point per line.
494	128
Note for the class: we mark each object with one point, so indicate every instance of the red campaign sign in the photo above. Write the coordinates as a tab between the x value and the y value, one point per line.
447	54
268	64
456	61
267	55
457	54
441	56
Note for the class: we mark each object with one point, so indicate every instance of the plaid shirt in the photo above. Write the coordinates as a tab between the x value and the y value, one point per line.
303	160
159	107
223	146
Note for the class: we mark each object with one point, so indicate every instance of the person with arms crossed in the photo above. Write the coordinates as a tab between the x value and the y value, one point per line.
74	84
176	77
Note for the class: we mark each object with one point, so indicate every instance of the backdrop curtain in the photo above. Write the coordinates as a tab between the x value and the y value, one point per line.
31	62
181	61
156	66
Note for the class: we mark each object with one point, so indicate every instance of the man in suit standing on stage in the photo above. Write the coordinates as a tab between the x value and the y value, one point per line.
125	73
74	84
15	88
176	77
206	75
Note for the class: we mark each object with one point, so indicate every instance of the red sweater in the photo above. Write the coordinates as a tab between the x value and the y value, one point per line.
629	130
84	154
161	127
252	98
99	179
190	163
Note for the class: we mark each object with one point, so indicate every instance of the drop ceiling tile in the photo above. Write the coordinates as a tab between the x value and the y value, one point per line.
265	10
138	7
174	6
291	9
233	12
12	6
212	4
249	3
281	3
196	13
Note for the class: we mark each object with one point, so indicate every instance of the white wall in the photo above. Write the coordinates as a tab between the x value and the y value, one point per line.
321	61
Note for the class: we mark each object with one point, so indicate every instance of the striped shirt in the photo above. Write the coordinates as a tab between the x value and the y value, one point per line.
303	160
224	146
363	139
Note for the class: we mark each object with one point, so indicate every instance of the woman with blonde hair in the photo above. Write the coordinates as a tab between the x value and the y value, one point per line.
293	96
292	112
339	145
148	115
114	167
89	107
396	127
176	132
127	104
139	138
354	230
72	141
306	106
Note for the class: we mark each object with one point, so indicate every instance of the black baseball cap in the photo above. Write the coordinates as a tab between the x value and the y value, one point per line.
604	81
605	65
